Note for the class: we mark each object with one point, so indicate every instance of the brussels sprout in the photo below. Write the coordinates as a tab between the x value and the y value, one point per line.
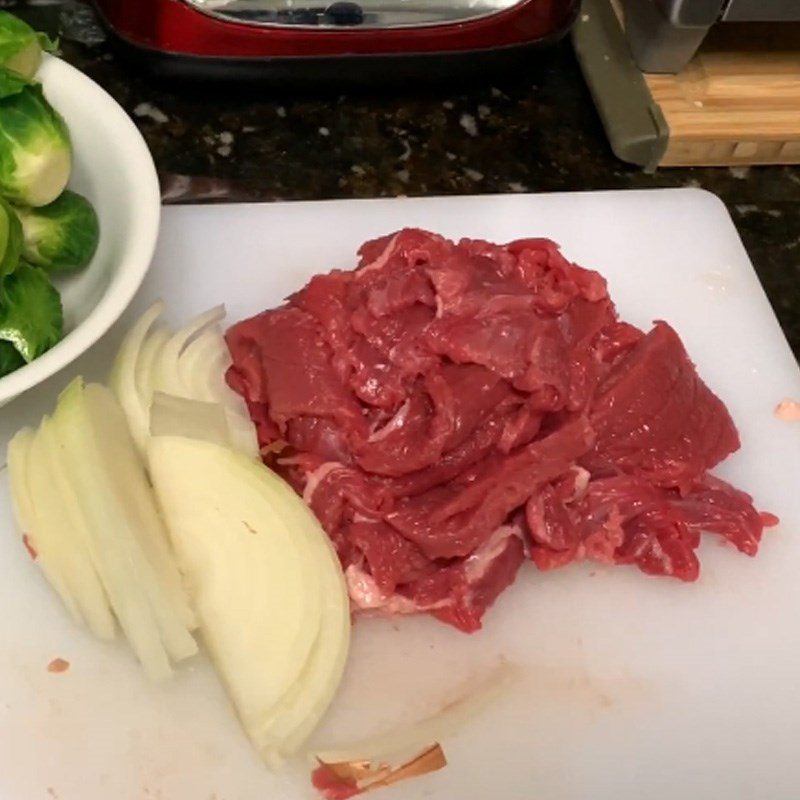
20	46
10	239
31	318
11	83
10	359
35	150
62	236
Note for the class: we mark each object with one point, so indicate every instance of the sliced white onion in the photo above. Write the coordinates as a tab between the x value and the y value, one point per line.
167	372
59	511
194	419
241	534
195	361
128	473
252	577
126	377
202	367
302	708
128	544
149	357
189	363
38	541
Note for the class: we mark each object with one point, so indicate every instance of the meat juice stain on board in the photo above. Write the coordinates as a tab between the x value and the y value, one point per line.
579	686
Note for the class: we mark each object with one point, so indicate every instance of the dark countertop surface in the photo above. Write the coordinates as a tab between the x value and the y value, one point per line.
533	131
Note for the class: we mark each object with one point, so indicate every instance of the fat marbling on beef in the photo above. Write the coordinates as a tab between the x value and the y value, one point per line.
451	409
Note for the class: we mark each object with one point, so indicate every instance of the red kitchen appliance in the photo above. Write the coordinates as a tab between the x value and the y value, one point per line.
319	41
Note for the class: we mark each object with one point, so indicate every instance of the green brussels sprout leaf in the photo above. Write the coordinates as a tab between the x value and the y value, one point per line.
11	83
61	236
31	317
10	359
35	149
47	43
21	46
10	239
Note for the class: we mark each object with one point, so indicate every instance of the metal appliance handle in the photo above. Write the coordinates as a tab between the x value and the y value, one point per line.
343	14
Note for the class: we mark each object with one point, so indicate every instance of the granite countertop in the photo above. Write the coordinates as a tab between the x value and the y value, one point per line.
535	132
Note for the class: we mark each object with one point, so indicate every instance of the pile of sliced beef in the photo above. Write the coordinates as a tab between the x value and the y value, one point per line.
452	410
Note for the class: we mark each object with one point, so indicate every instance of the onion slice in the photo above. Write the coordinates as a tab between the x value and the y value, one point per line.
167	370
190	363
194	419
82	496
251	551
36	540
64	525
126	377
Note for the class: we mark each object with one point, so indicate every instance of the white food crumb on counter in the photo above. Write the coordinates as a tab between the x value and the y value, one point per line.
468	123
516	186
406	154
151	112
748	208
484	111
448	104
473	174
226	137
280	111
450	156
224	150
740	173
324	132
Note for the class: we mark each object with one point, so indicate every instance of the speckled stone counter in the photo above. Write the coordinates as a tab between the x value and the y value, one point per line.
526	132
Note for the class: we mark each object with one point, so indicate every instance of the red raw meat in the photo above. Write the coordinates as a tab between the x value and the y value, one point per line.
449	409
654	416
453	520
626	519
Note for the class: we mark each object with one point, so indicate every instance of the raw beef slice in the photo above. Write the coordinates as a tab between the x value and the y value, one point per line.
449	409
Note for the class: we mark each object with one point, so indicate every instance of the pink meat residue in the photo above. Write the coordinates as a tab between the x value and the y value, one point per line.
788	411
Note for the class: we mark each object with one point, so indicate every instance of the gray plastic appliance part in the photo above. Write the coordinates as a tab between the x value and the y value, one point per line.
665	34
634	124
762	11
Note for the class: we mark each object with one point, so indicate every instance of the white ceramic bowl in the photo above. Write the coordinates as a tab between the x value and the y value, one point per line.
114	170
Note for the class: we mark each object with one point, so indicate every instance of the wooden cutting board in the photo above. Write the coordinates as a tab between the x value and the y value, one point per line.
631	687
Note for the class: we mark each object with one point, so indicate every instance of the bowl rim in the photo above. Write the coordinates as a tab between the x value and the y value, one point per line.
142	233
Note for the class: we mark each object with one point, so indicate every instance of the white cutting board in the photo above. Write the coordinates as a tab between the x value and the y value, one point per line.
634	688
